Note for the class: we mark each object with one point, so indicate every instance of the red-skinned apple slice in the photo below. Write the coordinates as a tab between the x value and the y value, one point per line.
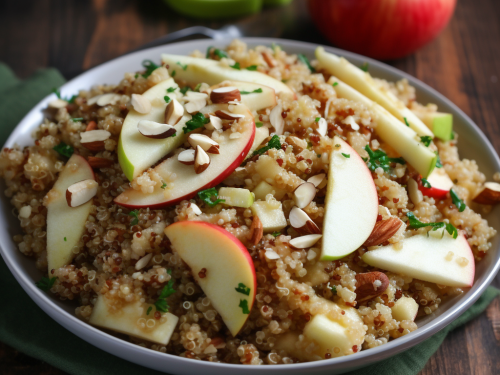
187	182
440	184
221	265
65	224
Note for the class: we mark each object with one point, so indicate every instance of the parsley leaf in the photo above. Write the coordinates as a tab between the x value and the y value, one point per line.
217	52
244	306
235	66
259	124
347	156
72	99
276	234
242	288
415	224
426	140
173	73
164	185
364	67
457	201
64	149
76	119
256	91
149	310
406	122
303	59
171	89
335	84
185	89
150	66
380	159
56	91
438	161
251	67
135	215
197	121
183	66
425	183
161	303
207	195
65	239
197	87
274	142
317	119
45	283
334	289
167	99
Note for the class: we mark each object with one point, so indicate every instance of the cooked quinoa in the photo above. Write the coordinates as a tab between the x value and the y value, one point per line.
293	285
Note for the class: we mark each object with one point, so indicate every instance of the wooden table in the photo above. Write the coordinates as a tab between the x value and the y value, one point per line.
463	64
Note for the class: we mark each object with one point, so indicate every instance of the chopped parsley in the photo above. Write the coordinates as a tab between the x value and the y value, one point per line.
45	283
365	67
457	201
256	91
197	87
167	99
380	159
135	215
242	288
335	84
235	66
197	121
161	303
57	92
244	306
333	289
136	75
276	234
426	140
183	66
173	73
171	89
406	122
217	52
208	195
64	149
317	119
347	156
274	142
251	67
164	185
185	89
425	183
65	239
438	161
303	59
415	224
149	310
76	119
259	124
150	67
309	145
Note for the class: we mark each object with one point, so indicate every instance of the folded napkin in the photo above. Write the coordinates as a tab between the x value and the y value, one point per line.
25	327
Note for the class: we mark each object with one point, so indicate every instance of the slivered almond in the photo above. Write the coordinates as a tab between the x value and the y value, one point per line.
92	125
256	230
93	140
225	115
99	162
155	130
205	142
277	121
304	194
490	194
214	124
305	242
319	180
382	231
201	160
370	285
302	222
81	192
58	103
297	143
106	99
322	127
186	157
270	61
225	94
140	103
173	112
195	101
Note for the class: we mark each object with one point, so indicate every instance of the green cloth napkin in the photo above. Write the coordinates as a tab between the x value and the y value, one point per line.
25	327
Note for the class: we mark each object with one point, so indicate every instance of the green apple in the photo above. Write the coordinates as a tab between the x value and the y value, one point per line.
65	224
351	205
271	215
221	266
132	319
260	135
194	70
236	197
363	82
255	96
210	9
441	124
405	308
263	188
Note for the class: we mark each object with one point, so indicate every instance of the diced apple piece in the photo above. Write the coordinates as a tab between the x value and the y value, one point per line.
441	124
399	136
267	168
439	259
213	72
405	308
270	214
351	206
65	225
260	134
236	197
263	188
132	319
221	265
136	153
440	182
363	82
255	101
187	183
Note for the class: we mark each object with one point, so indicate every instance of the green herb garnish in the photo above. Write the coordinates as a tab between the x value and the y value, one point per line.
335	84
426	140
274	142
364	67
197	87
347	156
252	67
208	195
45	283
457	201
235	66
135	215
317	119
173	73
309	145
380	159
149	310
259	124
64	149
171	89
161	303
242	288
76	119
183	66
302	58
185	89
333	288
244	306
57	92
164	185
256	91
438	161
425	183
276	234
65	239
167	99
217	52
136	75
150	67
415	224
406	122
197	121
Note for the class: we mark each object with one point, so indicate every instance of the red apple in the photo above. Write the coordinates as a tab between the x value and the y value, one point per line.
440	184
382	29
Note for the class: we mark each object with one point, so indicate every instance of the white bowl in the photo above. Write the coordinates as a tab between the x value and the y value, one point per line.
472	145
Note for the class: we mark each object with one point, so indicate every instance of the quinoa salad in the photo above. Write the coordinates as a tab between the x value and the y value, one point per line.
250	206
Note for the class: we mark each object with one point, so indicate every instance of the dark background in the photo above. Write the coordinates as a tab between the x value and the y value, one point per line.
463	63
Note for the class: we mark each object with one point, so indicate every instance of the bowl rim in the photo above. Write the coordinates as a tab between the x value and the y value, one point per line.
128	351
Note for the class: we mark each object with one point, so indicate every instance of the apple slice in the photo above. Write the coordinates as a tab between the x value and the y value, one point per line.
437	258
187	183
221	265
132	319
441	124
440	182
260	135
136	153
65	224
236	197
194	70
255	96
363	82
263	188
271	215
405	308
351	203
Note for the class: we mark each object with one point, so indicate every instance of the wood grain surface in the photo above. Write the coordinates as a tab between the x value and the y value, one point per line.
463	64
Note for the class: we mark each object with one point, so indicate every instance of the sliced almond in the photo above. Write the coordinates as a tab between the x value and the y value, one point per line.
322	127
205	142
302	222
195	208
155	130
256	230
81	192
143	262
277	120
58	103
225	115
186	157
94	140
225	94
304	194
173	112
305	242
383	230
201	160
297	143
414	193
93	100
99	162
319	180
140	104
106	99
490	194
214	124
195	101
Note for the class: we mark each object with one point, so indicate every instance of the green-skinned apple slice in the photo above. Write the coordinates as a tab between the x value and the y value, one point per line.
437	258
255	96
260	134
351	205
187	182
65	224
363	82
131	320
221	265
194	70
136	153
441	124
400	137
